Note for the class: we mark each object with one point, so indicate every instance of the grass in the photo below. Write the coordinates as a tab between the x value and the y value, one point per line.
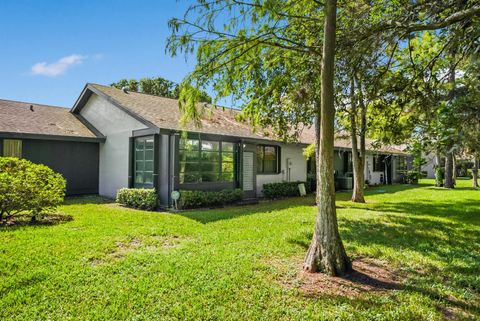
232	263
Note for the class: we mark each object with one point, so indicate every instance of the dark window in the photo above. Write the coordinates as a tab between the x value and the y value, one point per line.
379	163
401	165
267	159
143	162
12	148
206	161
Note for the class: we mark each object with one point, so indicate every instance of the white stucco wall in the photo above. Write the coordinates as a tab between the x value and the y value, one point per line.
372	177
117	126
429	166
298	168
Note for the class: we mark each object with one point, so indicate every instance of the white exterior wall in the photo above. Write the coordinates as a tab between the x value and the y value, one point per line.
298	168
429	166
117	127
372	177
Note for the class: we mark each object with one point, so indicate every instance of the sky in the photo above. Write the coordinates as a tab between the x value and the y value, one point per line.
50	49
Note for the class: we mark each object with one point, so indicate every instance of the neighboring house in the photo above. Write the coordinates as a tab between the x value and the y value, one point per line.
55	137
140	144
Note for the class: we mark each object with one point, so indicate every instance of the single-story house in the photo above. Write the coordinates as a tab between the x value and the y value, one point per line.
115	138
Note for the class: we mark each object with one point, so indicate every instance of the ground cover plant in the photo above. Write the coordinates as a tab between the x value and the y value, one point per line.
244	263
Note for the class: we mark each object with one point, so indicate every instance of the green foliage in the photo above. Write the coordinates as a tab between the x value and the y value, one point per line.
284	189
412	177
439	176
199	199
26	187
140	198
309	151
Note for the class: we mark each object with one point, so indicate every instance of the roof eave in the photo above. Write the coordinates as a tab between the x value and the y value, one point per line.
52	137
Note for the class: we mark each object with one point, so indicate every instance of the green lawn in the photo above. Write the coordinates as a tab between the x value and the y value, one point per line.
241	263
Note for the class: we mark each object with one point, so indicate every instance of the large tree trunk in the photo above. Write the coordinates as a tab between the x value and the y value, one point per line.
326	252
475	172
438	164
357	157
454	169
449	171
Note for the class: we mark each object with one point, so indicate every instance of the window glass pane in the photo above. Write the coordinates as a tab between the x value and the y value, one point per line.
149	155
208	164
269	166
189	144
149	143
227	167
209	177
210	145
149	166
139	166
227	177
210	167
189	156
227	157
143	161
148	178
227	147
260	159
210	156
189	177
186	167
12	148
267	159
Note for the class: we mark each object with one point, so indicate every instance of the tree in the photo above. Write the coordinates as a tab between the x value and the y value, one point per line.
157	86
266	55
326	252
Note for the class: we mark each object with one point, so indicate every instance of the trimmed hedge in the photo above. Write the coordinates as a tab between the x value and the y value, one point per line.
140	198
196	199
283	189
28	187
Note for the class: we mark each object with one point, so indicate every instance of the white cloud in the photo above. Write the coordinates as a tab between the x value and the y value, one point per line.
57	68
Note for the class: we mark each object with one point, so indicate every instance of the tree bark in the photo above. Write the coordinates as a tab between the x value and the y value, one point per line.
449	171
326	252
357	156
438	162
475	172
454	169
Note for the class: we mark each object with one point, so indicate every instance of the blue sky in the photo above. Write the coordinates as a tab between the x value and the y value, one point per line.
50	49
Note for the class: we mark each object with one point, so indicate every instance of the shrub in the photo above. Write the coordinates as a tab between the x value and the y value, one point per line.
412	177
439	176
195	199
283	189
140	198
28	187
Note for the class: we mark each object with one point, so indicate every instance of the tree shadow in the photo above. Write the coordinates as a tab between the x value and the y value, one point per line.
206	216
454	245
23	220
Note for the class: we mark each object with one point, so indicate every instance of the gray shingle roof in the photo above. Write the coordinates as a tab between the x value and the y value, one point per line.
18	118
165	113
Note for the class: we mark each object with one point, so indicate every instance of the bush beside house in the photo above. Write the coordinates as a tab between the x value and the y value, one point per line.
283	189
139	198
30	188
197	199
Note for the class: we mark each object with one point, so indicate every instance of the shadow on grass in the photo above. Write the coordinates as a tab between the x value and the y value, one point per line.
26	220
453	245
90	199
465	211
206	216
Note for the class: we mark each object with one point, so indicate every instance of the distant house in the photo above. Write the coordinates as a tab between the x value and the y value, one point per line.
135	141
